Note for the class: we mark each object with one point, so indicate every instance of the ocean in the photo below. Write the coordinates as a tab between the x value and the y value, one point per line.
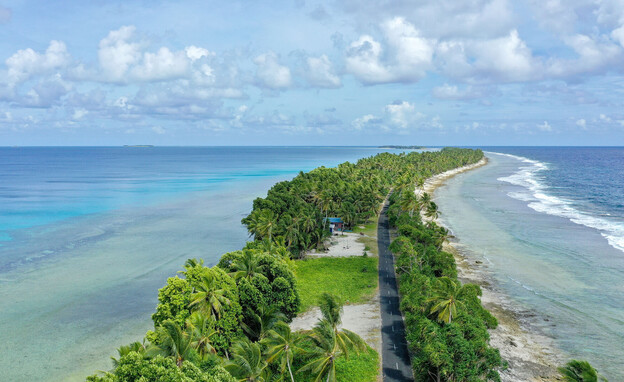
89	234
547	223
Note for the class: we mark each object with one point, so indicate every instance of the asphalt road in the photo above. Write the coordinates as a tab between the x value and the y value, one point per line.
395	356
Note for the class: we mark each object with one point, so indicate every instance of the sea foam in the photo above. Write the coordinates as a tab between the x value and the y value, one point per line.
538	198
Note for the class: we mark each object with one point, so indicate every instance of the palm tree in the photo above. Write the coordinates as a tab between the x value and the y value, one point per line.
247	363
201	332
332	310
263	321
261	223
445	299
425	198
283	345
245	266
432	211
325	350
126	349
177	344
209	297
410	202
579	371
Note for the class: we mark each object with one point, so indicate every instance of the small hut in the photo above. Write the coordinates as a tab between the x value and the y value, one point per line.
335	224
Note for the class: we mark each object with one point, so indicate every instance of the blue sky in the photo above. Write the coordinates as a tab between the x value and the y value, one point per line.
447	72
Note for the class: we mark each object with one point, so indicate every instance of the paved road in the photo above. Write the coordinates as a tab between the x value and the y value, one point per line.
396	363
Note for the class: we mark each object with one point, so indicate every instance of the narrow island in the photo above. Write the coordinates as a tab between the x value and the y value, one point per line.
402	147
301	302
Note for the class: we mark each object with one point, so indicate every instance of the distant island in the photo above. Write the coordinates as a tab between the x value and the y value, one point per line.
138	146
402	147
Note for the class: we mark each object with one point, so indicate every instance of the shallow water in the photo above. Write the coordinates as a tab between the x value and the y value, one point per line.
567	273
90	234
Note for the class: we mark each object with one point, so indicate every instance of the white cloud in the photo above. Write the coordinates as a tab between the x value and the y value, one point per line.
116	54
364	121
158	130
403	114
582	123
605	118
162	65
26	63
79	114
270	73
544	126
618	35
408	55
507	58
195	53
321	73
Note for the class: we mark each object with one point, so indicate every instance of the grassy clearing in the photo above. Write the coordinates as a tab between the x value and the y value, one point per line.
352	279
370	244
370	228
363	367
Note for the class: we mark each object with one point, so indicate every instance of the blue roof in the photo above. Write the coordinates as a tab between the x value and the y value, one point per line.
335	220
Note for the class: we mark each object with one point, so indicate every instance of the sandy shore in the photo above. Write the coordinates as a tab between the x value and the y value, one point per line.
531	356
341	245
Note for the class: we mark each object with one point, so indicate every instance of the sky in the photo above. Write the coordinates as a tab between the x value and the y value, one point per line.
299	72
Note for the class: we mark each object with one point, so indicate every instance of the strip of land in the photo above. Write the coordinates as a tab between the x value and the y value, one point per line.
528	353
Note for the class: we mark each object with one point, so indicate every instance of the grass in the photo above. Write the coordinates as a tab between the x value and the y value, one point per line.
370	244
363	367
370	228
352	279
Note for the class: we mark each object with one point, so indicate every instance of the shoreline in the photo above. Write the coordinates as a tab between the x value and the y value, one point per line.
531	356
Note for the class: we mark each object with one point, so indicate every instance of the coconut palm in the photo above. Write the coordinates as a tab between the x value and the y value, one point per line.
201	327
245	266
432	211
208	297
177	343
263	320
579	371
445	299
126	349
282	346
246	363
332	310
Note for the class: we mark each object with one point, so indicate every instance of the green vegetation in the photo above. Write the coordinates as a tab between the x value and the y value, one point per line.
580	371
352	279
446	325
229	322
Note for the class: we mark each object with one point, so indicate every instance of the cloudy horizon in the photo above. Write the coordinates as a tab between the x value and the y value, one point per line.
484	72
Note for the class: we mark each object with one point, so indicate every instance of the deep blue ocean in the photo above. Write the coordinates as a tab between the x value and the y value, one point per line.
89	234
547	223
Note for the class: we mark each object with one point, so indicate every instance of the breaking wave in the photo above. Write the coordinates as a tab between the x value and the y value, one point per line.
537	196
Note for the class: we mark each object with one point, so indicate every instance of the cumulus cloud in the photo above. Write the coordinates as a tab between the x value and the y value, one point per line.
544	126
270	74
116	53
26	63
195	53
407	57
402	114
162	65
399	117
320	72
365	121
582	123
